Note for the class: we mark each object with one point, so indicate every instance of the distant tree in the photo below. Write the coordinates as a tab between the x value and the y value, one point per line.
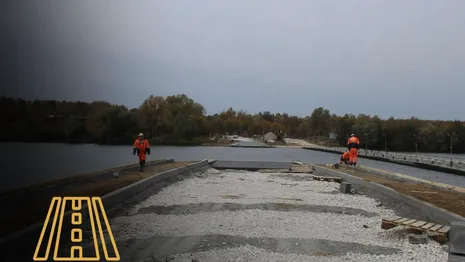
179	119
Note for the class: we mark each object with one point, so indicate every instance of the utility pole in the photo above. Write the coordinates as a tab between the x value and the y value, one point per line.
385	143
416	147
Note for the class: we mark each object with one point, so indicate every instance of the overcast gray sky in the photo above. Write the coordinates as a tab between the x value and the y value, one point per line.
392	58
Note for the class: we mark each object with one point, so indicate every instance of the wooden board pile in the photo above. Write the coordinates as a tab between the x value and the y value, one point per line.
437	232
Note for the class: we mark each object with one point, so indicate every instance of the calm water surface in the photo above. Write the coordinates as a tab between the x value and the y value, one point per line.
30	163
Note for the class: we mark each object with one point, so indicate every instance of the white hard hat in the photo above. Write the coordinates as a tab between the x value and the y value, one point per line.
352	135
140	134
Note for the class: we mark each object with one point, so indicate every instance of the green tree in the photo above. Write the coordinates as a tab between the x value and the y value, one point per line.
319	121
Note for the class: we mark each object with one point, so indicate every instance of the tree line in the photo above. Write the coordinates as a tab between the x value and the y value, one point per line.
179	120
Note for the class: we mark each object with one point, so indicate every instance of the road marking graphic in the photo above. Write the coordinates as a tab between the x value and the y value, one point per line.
81	208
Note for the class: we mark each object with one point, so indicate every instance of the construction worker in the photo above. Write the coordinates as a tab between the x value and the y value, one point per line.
353	144
141	147
345	158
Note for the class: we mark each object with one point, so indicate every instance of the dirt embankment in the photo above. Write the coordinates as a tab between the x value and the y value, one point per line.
448	200
23	208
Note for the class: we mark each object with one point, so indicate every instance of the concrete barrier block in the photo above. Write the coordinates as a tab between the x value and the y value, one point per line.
457	237
418	239
455	258
345	187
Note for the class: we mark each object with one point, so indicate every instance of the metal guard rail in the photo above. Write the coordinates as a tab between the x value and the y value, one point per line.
455	163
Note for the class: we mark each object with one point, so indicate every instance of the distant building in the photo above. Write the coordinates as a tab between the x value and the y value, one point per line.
269	136
332	136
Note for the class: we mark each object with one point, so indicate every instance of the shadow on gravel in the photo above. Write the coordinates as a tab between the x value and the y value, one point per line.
218	207
160	248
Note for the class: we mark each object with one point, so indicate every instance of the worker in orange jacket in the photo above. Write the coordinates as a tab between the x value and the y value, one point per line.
345	158
142	148
353	144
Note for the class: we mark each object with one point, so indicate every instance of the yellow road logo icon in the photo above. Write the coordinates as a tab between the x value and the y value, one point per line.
100	229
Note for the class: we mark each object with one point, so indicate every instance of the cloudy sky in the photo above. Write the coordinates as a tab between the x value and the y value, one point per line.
391	58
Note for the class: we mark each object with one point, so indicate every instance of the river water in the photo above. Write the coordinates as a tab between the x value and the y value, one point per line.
29	163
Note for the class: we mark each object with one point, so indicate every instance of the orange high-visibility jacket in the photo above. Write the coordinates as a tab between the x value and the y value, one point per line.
353	142
345	155
142	147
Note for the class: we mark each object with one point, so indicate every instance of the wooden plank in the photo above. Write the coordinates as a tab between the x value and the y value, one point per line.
444	229
427	226
418	224
415	230
387	225
393	218
408	222
436	227
440	238
401	220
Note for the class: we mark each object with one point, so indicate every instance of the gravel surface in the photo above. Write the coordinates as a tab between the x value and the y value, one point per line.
249	188
256	223
253	187
249	253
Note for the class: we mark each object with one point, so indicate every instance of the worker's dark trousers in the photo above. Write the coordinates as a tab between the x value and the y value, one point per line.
141	165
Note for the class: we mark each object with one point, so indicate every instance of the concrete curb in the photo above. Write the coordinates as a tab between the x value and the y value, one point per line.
250	165
141	189
425	210
413	179
27	238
